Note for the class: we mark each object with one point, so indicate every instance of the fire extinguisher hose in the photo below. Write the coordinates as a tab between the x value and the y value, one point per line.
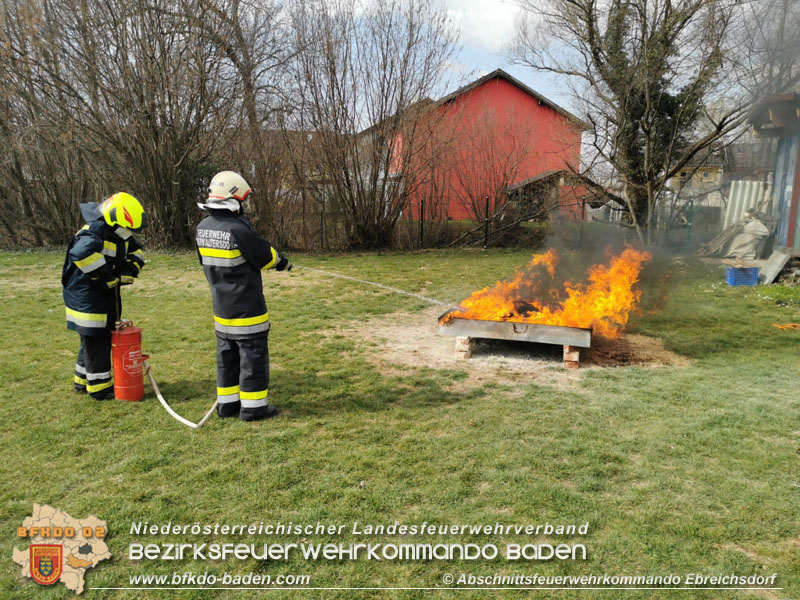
207	416
168	408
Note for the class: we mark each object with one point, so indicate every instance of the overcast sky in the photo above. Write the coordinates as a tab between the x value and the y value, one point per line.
486	27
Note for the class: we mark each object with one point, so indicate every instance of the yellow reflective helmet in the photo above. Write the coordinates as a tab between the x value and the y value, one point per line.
123	210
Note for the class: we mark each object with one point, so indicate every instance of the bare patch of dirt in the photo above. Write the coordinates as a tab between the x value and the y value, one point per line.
410	340
632	349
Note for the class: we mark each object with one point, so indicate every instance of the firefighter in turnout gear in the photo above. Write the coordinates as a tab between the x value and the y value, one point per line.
102	256
233	256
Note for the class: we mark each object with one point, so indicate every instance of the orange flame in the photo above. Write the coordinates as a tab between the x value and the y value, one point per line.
603	304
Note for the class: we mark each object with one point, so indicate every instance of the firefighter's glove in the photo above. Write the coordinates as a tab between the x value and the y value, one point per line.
129	270
133	264
283	264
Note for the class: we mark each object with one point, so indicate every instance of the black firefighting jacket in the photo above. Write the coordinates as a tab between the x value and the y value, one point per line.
233	256
99	257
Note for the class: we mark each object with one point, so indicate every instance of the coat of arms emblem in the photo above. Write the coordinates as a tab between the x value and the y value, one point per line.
46	562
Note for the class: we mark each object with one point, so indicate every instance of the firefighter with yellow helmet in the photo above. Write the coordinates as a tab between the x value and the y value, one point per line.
233	256
102	256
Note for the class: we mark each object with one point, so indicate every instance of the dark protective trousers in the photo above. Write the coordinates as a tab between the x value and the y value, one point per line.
243	371
93	368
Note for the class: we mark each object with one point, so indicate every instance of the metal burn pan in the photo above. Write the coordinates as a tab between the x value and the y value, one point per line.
521	332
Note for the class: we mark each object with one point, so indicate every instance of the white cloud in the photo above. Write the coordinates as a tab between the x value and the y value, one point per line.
484	23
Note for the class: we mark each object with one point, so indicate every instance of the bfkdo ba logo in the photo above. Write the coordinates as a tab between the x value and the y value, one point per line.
62	548
46	562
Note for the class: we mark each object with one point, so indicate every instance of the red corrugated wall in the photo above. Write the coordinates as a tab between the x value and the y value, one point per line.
497	134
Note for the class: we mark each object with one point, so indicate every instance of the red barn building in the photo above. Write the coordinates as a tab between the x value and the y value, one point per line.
491	134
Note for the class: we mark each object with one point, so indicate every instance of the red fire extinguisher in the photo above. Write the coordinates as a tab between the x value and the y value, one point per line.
126	352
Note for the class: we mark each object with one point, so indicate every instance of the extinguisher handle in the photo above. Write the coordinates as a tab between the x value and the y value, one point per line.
118	297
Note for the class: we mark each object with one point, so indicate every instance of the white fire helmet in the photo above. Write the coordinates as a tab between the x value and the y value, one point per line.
227	191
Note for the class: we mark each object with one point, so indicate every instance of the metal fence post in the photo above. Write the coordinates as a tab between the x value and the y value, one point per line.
486	225
422	222
583	218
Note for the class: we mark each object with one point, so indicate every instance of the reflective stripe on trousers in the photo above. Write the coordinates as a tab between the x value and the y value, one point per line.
80	375
254	399
243	366
94	363
226	395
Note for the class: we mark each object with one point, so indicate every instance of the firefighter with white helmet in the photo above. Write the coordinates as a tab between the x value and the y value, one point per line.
233	256
102	256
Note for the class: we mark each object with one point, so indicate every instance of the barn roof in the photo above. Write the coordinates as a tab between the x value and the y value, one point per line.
500	74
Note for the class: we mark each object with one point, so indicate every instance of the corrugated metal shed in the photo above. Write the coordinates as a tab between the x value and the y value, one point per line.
745	195
787	178
779	117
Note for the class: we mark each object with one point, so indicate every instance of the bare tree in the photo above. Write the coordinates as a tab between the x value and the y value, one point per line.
362	76
134	85
644	69
489	151
429	197
765	47
254	37
45	163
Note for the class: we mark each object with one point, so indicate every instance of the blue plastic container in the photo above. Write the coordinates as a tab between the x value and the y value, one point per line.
741	275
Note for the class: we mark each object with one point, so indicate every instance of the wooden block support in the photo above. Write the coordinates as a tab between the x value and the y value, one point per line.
572	357
463	347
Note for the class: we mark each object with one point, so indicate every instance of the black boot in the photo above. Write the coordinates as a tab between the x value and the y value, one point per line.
258	413
228	409
79	389
106	394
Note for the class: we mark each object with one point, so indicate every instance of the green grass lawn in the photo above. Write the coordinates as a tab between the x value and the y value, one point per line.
690	469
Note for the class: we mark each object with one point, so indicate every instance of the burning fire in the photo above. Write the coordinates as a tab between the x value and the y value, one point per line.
603	304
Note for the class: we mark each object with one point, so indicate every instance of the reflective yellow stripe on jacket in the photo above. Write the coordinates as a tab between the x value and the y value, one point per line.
140	256
109	248
97	320
272	262
244	325
91	263
221	258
